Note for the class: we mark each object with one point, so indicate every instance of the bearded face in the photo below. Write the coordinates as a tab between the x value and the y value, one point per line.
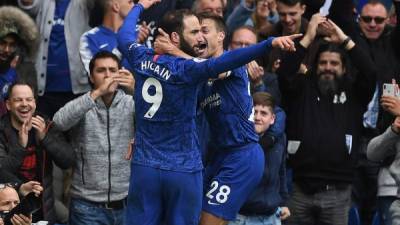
192	40
329	71
327	86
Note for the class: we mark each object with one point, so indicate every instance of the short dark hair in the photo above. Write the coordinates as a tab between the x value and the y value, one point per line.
103	55
97	12
172	21
219	21
374	3
291	2
20	83
264	99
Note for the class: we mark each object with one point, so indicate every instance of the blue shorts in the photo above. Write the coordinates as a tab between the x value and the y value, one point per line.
163	197
230	178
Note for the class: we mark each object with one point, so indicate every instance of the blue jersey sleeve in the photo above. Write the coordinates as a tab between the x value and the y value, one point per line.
87	49
6	80
127	35
193	70
227	61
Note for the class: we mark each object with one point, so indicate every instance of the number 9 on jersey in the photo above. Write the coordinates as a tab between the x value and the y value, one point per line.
154	99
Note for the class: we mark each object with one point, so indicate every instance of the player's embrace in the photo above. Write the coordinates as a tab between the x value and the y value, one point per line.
166	181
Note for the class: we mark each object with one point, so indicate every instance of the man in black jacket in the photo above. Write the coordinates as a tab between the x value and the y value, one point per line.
29	144
381	41
324	109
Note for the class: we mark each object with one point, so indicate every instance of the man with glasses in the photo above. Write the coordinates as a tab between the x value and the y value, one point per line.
381	41
373	20
261	79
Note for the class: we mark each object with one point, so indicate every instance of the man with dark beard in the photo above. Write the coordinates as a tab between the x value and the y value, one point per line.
18	40
324	110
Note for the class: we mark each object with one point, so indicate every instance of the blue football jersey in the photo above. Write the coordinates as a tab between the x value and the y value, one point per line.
228	106
166	97
99	39
165	103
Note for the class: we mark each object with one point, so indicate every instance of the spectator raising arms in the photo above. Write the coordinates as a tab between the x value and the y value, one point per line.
324	120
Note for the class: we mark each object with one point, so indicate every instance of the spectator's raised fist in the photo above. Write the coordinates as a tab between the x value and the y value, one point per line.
309	37
30	186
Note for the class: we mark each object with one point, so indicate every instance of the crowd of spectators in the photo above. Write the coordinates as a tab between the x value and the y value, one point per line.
328	130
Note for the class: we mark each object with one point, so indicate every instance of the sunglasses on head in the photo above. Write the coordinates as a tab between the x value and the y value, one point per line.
11	185
368	19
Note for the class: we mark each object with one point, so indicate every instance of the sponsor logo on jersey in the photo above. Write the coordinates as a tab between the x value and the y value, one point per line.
211	101
103	45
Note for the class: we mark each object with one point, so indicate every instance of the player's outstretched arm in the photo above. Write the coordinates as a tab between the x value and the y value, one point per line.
239	57
127	33
286	43
230	60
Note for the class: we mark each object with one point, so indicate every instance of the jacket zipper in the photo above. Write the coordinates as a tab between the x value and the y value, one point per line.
83	168
43	195
109	154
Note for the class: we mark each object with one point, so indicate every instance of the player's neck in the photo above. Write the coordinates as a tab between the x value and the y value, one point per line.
218	52
112	22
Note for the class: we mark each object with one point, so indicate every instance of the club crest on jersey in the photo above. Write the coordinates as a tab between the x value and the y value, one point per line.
5	89
155	68
134	45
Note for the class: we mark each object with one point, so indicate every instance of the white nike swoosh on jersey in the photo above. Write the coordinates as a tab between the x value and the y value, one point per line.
104	45
212	203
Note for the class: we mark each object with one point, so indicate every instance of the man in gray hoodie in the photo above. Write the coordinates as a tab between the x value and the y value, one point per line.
384	146
101	127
